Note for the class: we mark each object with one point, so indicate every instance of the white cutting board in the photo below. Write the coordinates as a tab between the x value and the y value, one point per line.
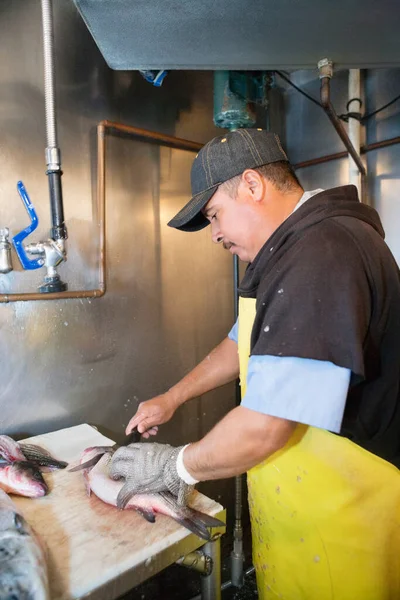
89	543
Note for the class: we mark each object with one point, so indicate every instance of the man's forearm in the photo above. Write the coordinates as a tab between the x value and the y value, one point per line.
243	439
219	367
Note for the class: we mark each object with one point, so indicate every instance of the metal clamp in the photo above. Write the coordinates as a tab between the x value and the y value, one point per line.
197	561
325	67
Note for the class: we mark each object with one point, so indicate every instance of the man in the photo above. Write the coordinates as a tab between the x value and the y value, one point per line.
317	348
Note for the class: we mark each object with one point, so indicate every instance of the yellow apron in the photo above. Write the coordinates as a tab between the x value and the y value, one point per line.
325	513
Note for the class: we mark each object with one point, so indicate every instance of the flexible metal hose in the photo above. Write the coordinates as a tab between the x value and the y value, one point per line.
49	76
53	157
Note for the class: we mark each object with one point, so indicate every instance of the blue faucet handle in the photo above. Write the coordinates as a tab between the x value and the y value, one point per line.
17	240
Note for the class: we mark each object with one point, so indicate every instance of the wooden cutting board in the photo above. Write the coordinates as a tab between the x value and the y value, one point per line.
95	550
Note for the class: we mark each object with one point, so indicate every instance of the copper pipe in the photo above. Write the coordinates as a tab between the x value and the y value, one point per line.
363	150
145	134
51	296
320	160
102	129
383	144
101	200
101	203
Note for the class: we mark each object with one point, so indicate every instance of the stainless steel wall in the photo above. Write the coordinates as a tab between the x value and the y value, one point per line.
309	134
169	298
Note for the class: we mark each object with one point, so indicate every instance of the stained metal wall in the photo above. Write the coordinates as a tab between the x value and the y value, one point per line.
169	298
309	134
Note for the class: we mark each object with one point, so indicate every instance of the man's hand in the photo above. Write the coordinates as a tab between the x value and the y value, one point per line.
148	468
219	367
151	413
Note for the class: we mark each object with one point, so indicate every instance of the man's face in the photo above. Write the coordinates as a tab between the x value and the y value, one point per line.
244	223
232	223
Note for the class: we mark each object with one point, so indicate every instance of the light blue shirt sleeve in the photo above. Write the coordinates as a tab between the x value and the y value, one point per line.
233	334
308	391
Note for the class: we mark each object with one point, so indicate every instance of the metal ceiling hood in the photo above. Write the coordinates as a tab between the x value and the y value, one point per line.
244	34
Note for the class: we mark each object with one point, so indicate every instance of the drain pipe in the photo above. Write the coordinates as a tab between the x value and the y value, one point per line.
237	554
232	110
325	67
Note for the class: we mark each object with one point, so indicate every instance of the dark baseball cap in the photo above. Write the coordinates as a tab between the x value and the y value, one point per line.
221	159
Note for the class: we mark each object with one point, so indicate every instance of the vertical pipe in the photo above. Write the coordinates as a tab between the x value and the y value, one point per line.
325	68
237	556
211	584
49	77
354	130
101	205
53	156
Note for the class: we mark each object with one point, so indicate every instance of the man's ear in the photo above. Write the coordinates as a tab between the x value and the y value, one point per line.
254	183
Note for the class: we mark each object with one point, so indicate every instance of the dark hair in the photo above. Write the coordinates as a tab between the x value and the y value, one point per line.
280	174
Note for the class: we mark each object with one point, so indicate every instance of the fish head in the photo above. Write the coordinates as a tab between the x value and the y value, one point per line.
27	479
9	449
93	451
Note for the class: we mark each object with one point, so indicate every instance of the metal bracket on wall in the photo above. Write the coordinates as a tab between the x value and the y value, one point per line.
102	128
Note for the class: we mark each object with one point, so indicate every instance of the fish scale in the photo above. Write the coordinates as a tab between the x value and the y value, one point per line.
23	570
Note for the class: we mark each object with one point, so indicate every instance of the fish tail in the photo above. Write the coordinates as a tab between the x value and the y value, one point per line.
194	520
194	525
198	522
41	457
206	519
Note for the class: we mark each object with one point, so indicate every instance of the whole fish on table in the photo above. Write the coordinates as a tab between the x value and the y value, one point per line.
23	570
10	451
97	480
22	478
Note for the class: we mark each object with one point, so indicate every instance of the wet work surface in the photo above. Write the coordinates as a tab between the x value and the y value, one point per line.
96	551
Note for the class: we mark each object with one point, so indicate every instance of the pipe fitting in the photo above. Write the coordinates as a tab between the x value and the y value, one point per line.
197	561
53	159
237	571
52	252
325	67
5	252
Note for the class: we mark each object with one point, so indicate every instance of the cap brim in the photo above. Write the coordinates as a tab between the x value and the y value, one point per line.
190	217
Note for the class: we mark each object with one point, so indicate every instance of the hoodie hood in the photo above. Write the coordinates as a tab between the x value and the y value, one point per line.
337	202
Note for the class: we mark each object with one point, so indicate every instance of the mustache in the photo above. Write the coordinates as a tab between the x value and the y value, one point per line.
228	245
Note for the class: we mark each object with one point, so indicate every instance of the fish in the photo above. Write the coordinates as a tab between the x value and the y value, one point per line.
10	451
132	438
23	569
41	457
97	480
22	478
95	453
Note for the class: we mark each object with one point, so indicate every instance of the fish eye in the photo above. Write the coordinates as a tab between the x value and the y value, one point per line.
19	522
